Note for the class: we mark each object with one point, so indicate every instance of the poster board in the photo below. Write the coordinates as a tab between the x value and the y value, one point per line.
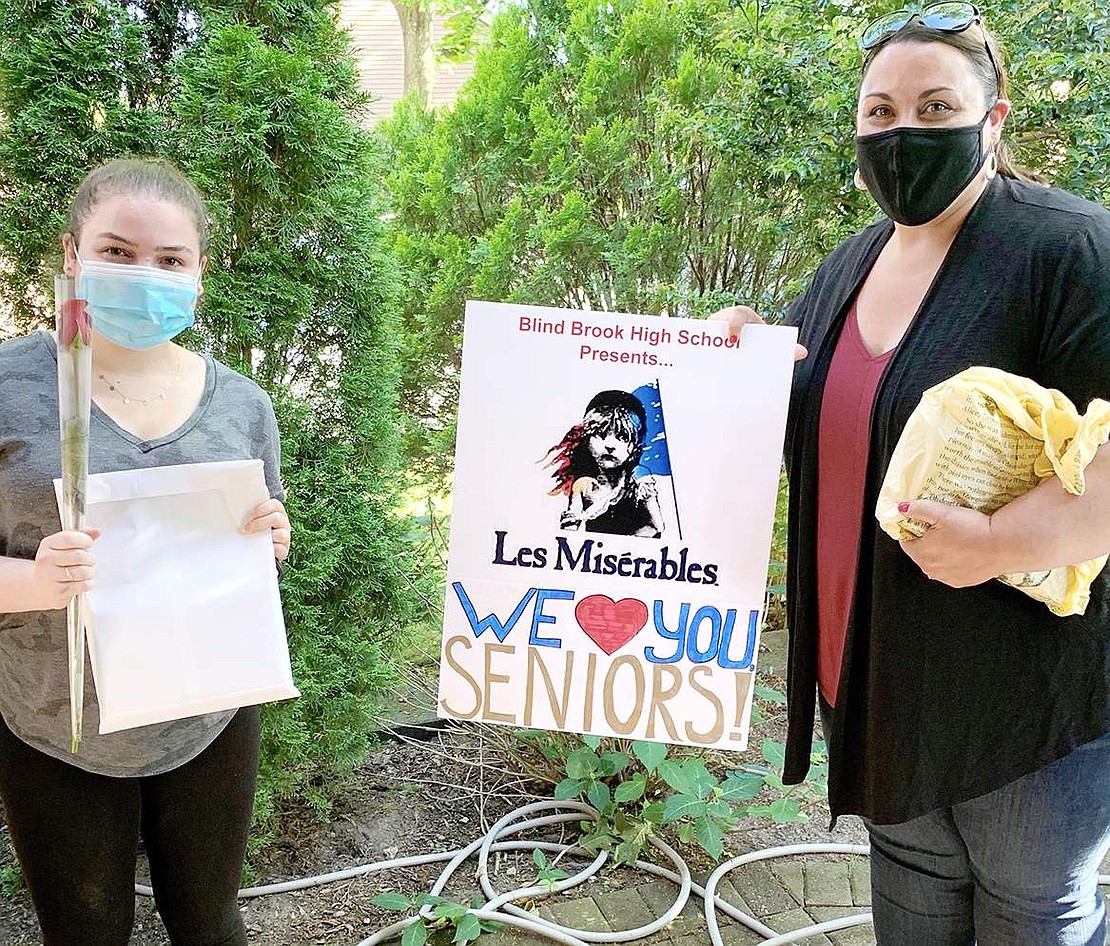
614	496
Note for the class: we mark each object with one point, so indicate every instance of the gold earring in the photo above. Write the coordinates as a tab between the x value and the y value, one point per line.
858	180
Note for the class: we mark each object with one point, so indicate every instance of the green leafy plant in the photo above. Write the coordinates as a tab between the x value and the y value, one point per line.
793	800
769	695
591	775
11	871
547	874
11	878
648	791
444	915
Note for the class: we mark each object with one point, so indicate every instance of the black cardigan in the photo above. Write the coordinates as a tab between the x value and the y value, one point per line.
945	693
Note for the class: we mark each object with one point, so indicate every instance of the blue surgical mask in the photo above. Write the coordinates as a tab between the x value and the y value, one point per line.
137	307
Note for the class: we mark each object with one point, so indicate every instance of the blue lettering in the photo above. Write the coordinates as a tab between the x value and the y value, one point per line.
726	641
692	651
538	617
678	634
491	621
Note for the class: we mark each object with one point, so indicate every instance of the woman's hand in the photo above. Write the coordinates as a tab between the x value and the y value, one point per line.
64	567
958	549
271	515
736	317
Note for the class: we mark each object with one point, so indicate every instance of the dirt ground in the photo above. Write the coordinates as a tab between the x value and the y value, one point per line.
410	797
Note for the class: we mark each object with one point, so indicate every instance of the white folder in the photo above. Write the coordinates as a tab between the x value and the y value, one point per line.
184	616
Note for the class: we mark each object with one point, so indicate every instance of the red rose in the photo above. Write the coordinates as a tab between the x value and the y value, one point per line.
73	321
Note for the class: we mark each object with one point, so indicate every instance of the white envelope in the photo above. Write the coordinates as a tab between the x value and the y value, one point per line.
185	616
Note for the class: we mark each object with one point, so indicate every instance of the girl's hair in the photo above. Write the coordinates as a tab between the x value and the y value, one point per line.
973	43
147	177
608	412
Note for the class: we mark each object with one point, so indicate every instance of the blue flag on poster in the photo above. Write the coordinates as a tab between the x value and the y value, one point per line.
656	459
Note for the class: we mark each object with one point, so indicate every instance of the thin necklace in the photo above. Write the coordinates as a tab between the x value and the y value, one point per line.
159	395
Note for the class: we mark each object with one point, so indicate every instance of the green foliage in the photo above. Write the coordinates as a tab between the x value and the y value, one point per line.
259	103
300	290
11	871
1058	60
637	156
462	28
672	156
547	874
76	84
645	789
794	799
436	914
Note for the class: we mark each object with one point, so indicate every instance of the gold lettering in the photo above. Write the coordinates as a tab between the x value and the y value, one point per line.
714	733
558	706
491	678
588	707
660	693
619	726
448	652
743	680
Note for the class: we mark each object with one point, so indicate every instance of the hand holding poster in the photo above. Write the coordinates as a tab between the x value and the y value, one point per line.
615	486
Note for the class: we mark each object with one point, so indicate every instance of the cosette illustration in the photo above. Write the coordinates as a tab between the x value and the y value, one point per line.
614	467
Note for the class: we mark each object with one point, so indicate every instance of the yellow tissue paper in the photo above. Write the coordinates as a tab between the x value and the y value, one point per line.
983	438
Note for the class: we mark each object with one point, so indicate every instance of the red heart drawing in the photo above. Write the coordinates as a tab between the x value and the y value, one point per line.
611	624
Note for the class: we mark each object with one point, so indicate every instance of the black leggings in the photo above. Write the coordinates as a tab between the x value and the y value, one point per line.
77	836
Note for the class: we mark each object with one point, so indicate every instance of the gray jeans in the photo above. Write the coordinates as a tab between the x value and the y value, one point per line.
1015	867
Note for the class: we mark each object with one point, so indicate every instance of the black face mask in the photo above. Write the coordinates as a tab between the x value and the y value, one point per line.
914	174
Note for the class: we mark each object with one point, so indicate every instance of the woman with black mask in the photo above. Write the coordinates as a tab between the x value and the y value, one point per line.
966	723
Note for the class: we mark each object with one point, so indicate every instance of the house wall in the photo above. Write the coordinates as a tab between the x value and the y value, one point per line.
376	33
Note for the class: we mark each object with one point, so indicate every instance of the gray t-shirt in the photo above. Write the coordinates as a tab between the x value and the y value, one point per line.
234	421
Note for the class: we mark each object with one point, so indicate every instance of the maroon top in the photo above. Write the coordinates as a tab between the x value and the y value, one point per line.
842	447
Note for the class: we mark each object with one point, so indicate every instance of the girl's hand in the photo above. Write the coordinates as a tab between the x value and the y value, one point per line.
591	499
64	567
271	515
570	520
736	317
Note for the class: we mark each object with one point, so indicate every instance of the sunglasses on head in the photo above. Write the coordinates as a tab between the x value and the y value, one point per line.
952	16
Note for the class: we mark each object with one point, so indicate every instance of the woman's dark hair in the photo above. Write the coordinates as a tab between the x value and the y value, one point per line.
973	43
147	177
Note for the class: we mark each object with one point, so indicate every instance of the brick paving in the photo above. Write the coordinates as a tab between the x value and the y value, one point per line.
784	894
